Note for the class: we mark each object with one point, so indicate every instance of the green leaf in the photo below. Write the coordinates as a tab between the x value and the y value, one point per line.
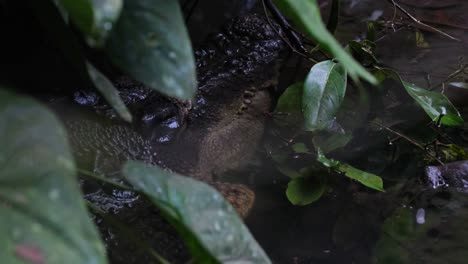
368	179
328	143
435	104
307	14
324	90
304	190
288	106
330	163
300	148
208	224
150	43
288	171
95	18
110	93
43	217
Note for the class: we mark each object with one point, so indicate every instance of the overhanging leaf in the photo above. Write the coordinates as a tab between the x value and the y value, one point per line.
109	92
43	218
150	42
307	14
95	18
209	225
324	90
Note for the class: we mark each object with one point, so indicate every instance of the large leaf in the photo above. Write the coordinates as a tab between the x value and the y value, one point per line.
208	224
109	92
150	42
43	218
307	14
437	106
324	90
95	18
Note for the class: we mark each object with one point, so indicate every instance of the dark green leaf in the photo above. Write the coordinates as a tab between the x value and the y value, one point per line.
150	42
109	92
288	107
95	18
304	190
328	143
324	90
209	225
332	23
435	104
368	179
290	172
307	14
300	148
43	217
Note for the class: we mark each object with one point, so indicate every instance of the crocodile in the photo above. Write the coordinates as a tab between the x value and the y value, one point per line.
236	70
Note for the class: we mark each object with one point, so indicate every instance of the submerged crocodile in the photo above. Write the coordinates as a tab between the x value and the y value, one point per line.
236	69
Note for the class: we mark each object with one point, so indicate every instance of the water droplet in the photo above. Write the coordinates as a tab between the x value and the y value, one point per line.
54	194
420	216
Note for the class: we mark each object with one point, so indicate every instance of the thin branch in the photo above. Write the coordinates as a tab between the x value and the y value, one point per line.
453	74
417	21
410	140
283	38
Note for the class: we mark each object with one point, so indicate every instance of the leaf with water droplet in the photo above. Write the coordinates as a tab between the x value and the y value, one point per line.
324	90
150	43
43	217
95	18
209	225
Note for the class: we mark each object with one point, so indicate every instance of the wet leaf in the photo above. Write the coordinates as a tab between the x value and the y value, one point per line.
324	90
110	93
290	172
330	163
307	14
435	105
300	148
209	225
368	179
328	143
43	217
304	190
288	108
150	43
95	18
365	178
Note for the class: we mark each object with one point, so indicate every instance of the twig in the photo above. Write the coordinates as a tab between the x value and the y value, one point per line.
417	21
453	74
285	25
283	38
412	141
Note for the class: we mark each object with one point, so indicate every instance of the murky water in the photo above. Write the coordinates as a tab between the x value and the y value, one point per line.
351	224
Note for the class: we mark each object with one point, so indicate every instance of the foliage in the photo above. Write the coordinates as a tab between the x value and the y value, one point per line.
44	220
211	227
